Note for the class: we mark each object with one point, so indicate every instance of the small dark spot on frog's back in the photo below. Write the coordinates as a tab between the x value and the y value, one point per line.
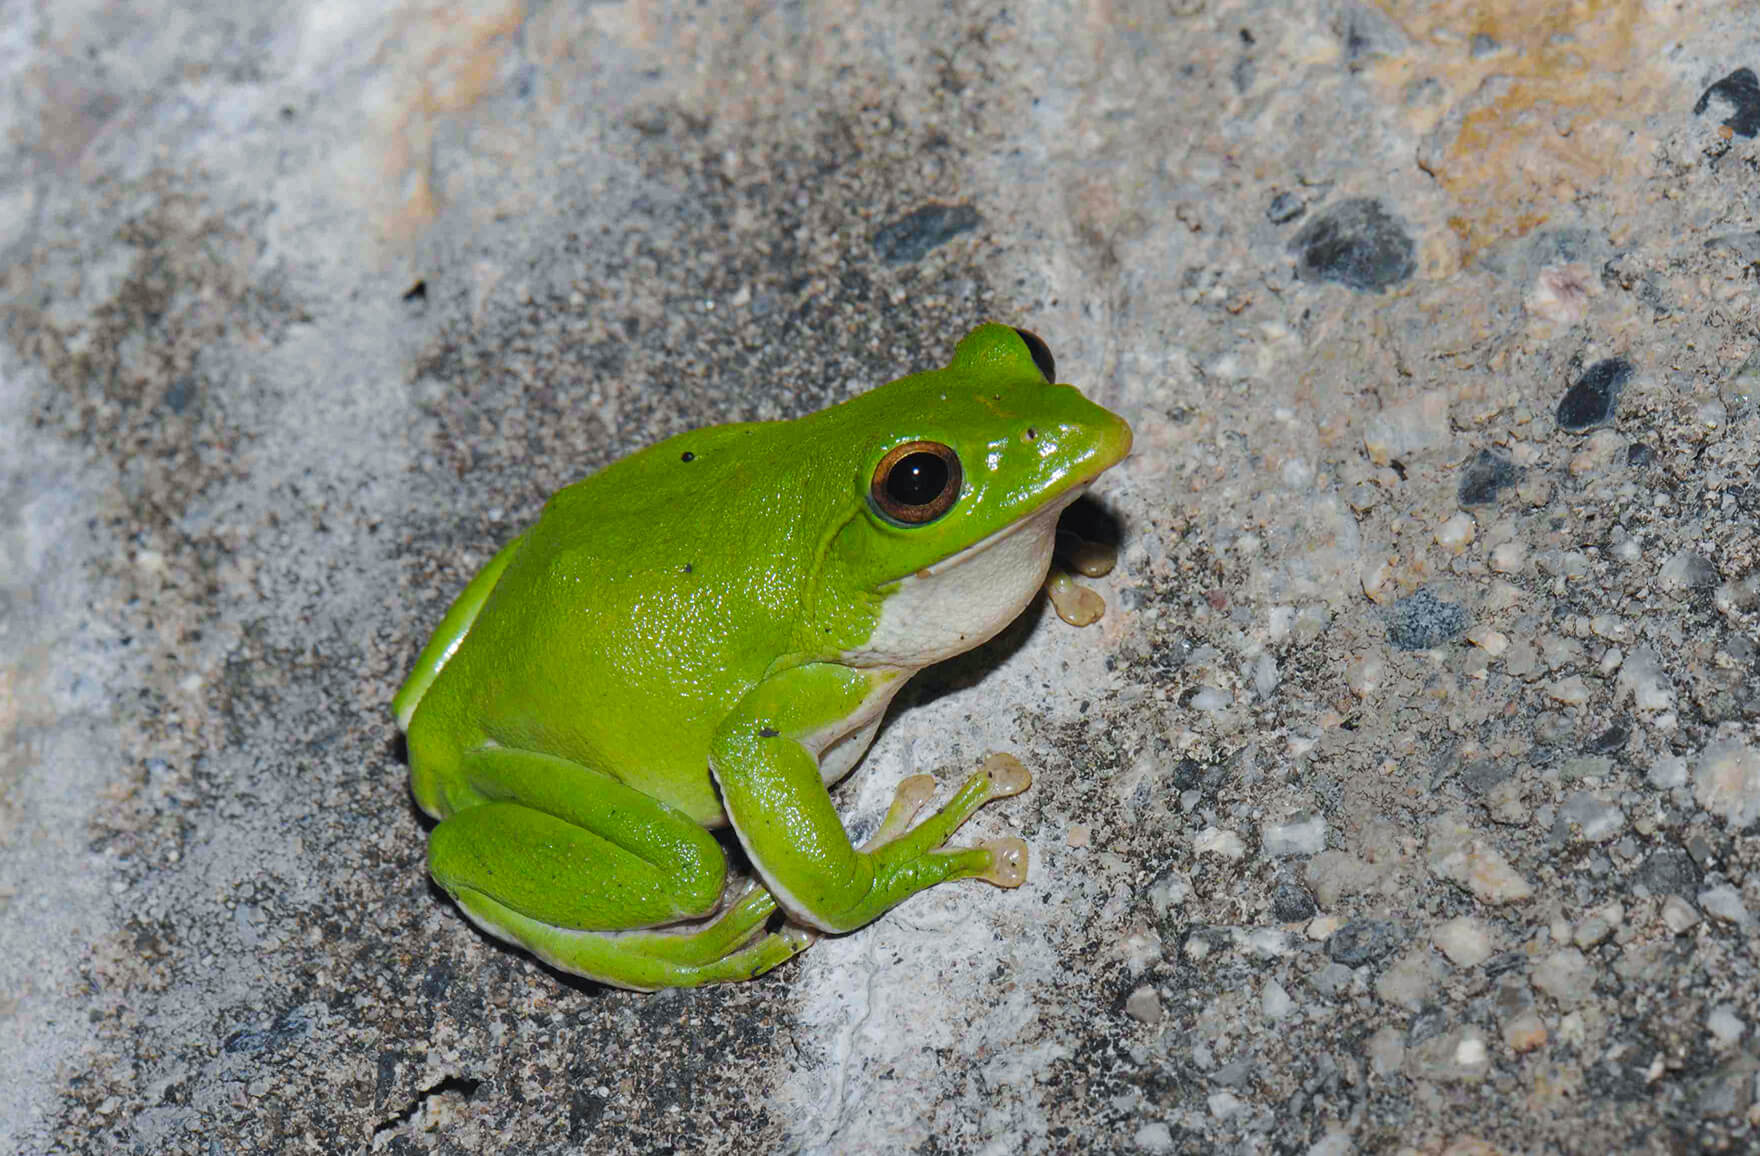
768	732
687	456
687	567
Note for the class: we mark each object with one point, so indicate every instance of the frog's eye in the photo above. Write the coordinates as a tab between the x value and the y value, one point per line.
1041	354
916	483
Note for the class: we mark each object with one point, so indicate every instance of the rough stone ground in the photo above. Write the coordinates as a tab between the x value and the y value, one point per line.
1405	800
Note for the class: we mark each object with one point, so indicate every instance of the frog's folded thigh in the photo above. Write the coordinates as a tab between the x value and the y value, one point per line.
573	848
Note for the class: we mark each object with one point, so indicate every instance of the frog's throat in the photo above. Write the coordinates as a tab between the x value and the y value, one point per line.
964	600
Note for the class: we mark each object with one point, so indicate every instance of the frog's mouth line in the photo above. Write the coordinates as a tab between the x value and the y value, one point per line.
1037	517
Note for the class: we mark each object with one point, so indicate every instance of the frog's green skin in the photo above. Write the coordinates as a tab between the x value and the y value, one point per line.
708	632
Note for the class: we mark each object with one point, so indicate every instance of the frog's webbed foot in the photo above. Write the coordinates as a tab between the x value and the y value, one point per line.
1078	605
1008	861
1000	861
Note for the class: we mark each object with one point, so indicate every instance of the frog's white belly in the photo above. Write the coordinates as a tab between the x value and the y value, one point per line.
963	601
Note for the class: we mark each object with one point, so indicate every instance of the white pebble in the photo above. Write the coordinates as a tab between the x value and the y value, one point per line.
1456	534
1642	679
1492	642
1726	1025
1275	1002
1667	773
1365	674
1724	902
1464	940
1303	835
1215	841
1508	557
1678	915
1727	782
1572	691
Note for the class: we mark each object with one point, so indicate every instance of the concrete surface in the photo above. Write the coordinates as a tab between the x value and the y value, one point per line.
1404	800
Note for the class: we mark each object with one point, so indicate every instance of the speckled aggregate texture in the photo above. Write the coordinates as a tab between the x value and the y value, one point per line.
1405	798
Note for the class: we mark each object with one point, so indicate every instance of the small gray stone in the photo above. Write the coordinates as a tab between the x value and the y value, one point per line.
1595	820
1302	835
1592	400
1363	941
1724	902
1484	478
1421	621
1669	871
1356	243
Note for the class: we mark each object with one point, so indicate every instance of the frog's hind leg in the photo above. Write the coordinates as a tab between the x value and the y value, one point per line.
581	870
723	951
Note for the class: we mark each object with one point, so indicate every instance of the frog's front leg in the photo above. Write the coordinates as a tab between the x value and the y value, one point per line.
597	878
774	794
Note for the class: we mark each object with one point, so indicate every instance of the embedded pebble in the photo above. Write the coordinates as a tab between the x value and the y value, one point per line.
1642	679
1492	642
1726	1025
1508	557
1356	243
1464	940
1291	903
913	236
1301	836
1365	674
1667	773
1457	854
1599	925
1724	902
1600	450
1592	400
1678	915
1484	478
1275	1001
1363	941
1223	844
1209	699
1456	534
1572	691
1144	1004
1524	1032
1668	871
1597	821
1409	980
1686	571
1727	782
1737	99
1421	621
1565	976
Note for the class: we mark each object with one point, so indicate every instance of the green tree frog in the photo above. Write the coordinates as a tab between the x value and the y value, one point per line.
706	634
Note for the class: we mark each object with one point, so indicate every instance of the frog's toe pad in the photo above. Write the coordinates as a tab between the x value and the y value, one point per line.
797	938
1008	862
1007	775
912	793
1075	604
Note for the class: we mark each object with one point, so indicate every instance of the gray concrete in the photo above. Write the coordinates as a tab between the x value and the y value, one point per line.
1404	799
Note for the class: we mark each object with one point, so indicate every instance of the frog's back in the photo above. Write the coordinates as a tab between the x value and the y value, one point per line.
646	600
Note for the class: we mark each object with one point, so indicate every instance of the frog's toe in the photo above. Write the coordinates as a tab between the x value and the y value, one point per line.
1008	862
1007	774
1076	605
907	800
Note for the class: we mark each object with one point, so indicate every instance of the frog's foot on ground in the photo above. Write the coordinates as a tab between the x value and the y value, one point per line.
1008	861
1078	605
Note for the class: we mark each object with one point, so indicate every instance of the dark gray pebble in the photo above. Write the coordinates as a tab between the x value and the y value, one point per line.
1363	941
1421	620
1591	401
1741	91
1485	477
1285	207
912	236
1669	871
1291	903
1356	243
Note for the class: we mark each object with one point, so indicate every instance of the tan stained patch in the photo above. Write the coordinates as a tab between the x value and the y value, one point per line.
1557	111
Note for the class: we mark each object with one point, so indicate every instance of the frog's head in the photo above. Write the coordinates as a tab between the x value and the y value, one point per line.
961	476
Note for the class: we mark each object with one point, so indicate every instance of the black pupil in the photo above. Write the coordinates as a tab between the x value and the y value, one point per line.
917	479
